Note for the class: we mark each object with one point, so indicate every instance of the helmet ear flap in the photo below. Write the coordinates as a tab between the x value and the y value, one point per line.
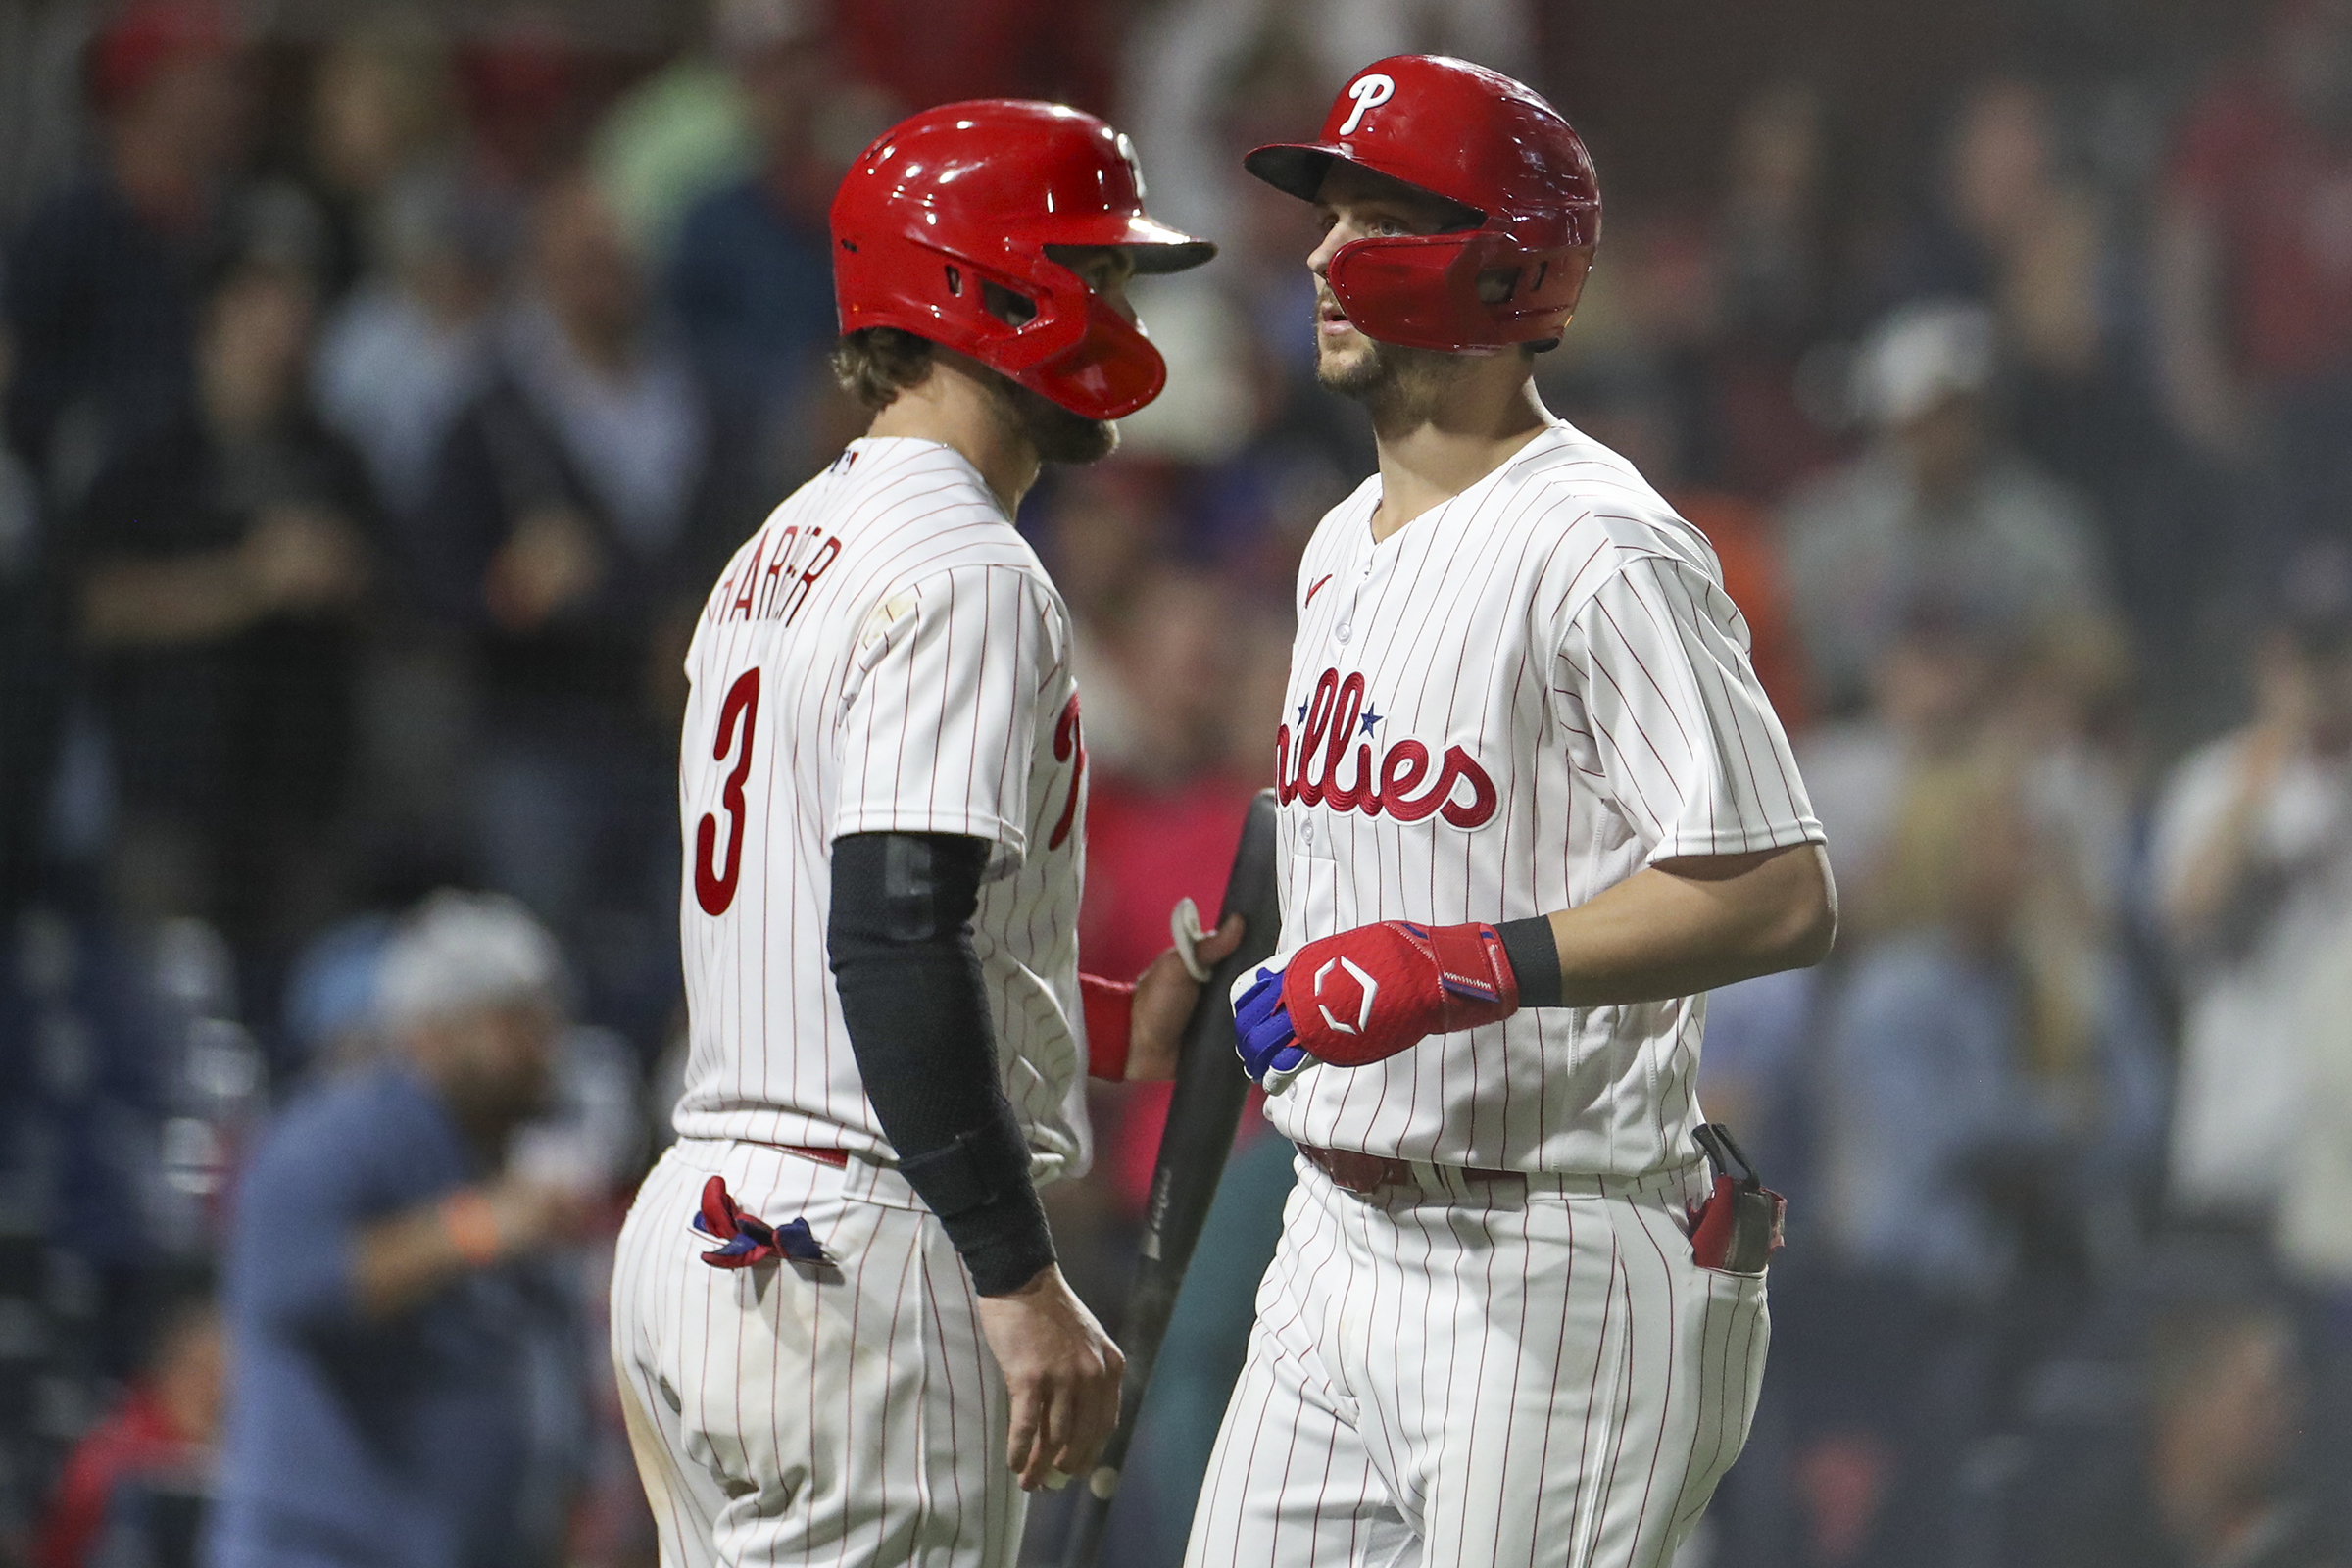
1113	366
1457	291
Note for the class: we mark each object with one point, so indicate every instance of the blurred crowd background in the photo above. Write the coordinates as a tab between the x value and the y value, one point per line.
384	386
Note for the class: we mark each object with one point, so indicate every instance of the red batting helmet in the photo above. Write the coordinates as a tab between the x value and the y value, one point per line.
1477	138
973	193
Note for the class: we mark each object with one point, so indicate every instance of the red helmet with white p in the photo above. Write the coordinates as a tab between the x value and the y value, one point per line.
1483	141
971	194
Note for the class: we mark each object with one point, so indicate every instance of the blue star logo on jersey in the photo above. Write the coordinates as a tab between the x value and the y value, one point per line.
1301	713
1369	720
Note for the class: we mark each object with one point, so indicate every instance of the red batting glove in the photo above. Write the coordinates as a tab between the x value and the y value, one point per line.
1376	990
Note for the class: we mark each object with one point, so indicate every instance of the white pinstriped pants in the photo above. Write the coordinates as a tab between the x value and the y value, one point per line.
784	1414
1482	1375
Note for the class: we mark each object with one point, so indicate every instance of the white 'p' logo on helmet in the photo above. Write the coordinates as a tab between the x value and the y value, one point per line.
1370	91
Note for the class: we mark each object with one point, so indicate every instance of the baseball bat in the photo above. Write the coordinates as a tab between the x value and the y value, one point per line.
1204	1112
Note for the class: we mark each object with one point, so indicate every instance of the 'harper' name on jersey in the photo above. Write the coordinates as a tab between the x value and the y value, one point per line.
1520	698
885	655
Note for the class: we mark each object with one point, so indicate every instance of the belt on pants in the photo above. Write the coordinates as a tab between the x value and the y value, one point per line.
1368	1175
838	1158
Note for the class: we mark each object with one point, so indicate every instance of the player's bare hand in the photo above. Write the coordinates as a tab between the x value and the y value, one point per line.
303	560
533	1214
549	562
1163	999
1062	1372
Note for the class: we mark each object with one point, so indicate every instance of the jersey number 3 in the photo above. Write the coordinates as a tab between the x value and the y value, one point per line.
714	887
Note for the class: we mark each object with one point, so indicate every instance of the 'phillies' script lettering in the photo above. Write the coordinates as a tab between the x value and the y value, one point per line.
1390	785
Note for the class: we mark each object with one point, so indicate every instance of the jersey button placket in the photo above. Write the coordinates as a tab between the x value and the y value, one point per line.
1344	622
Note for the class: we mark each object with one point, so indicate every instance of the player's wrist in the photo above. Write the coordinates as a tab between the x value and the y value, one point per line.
1533	952
1476	983
1004	1243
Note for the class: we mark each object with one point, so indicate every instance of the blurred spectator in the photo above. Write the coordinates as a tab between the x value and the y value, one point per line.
1988	1078
2251	866
84	1227
33	677
1163	817
2227	1397
1761	303
2214	1474
752	278
1771	240
2253	265
222	564
2313	1231
1241	365
405	1367
1753	1069
2020	225
1105	530
2015	228
1932	702
158	1437
687	130
407	349
102	283
328	1015
1940	498
581	509
2067	718
380	112
519	87
1987	1093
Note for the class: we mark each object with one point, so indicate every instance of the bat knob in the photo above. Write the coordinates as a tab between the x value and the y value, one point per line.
1105	1482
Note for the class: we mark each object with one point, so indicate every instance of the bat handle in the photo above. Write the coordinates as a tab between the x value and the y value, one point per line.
1084	1542
1204	1107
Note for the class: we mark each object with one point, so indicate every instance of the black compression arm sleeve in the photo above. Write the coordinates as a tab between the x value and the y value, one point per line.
912	993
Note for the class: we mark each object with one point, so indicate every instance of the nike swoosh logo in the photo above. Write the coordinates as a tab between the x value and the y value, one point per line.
1318	587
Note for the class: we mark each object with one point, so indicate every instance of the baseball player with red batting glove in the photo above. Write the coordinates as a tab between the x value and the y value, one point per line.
1393	984
840	1327
1534	805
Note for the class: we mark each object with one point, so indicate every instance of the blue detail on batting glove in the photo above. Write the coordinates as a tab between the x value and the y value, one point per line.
745	1240
1262	1033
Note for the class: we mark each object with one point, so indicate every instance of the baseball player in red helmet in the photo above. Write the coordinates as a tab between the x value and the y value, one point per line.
840	1329
1534	805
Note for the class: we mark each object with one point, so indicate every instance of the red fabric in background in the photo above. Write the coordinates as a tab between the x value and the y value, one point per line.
1146	848
924	53
130	51
2281	195
138	1439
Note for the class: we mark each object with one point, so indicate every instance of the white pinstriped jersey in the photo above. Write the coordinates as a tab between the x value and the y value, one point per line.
1516	701
886	653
